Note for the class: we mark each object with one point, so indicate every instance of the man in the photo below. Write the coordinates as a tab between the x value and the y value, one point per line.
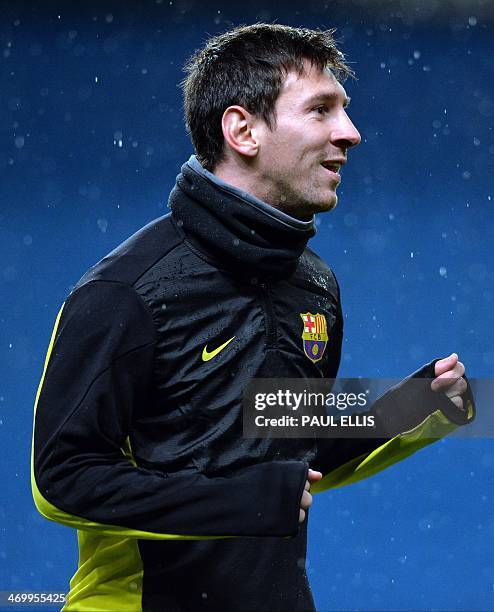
138	426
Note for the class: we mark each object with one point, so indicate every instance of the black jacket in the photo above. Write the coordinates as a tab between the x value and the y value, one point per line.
138	439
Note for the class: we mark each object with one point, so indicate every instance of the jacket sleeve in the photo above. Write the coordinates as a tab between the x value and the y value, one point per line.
97	373
409	415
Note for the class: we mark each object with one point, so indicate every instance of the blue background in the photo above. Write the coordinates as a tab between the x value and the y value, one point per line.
91	139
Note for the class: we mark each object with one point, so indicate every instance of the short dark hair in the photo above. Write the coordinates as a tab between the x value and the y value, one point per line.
247	66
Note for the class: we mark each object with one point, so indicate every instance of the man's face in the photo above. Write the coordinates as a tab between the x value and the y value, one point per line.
298	161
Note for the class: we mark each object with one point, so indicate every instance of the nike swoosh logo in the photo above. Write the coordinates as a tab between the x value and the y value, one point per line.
206	356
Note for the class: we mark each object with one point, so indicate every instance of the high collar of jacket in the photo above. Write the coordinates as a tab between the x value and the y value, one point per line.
235	229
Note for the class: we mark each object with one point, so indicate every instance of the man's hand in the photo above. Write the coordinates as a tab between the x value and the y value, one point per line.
449	372
306	499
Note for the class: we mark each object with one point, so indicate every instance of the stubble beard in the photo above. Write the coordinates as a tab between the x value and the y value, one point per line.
299	202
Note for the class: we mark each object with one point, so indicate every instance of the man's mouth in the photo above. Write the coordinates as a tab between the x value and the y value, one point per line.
333	165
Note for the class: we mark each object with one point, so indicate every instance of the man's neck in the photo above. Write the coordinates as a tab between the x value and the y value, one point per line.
236	175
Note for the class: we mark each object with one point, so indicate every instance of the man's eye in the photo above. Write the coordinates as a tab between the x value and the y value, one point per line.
321	109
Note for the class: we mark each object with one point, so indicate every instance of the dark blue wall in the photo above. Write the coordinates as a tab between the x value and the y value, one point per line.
91	138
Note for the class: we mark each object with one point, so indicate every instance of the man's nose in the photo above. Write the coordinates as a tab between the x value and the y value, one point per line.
345	135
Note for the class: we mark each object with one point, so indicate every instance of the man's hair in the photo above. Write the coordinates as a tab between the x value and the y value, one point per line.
247	66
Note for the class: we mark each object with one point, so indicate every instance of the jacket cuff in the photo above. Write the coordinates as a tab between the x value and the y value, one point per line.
269	504
290	494
299	485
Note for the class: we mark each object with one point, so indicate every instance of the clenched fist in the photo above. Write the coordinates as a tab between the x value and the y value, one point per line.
449	372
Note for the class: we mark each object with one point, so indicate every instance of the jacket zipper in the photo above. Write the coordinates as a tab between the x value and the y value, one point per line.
269	315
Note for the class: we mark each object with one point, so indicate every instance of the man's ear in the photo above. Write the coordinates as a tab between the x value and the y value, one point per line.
237	126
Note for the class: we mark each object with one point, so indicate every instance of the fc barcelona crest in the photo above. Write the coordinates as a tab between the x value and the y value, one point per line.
314	335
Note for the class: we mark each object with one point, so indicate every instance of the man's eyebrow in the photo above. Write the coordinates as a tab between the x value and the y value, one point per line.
324	96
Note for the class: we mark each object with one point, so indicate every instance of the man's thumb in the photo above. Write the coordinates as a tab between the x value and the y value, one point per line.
446	364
